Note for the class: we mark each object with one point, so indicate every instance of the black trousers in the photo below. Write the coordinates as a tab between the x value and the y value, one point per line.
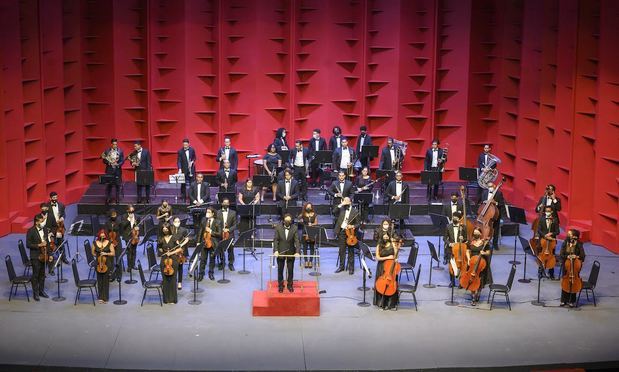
141	189
222	255
289	262
316	173
108	191
568	298
343	247
38	273
188	180
131	252
308	248
207	255
496	225
299	174
432	190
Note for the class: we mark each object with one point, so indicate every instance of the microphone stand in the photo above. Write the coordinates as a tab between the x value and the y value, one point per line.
223	279
192	273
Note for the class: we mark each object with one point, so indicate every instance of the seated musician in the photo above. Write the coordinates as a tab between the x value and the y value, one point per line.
548	229
455	232
340	189
348	218
572	247
387	250
478	247
272	161
343	158
550	199
397	191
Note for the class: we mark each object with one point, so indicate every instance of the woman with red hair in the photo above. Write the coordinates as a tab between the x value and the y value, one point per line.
103	247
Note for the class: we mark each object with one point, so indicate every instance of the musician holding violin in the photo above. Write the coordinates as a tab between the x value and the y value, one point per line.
56	222
478	273
550	199
308	218
572	256
169	251
37	240
209	235
103	250
130	234
181	236
547	231
346	226
113	231
386	294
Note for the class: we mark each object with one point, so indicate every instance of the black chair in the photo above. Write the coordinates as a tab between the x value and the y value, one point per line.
150	236
81	284
153	266
150	284
589	284
503	289
90	259
24	257
411	262
16	281
412	289
94	224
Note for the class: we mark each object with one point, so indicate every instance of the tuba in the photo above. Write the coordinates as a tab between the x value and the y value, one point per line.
111	157
488	174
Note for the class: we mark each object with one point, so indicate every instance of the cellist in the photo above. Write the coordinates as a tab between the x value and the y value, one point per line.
572	247
387	250
455	232
548	229
478	246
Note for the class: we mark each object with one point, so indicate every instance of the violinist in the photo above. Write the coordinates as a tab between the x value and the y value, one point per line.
347	221
37	238
210	226
248	195
572	247
499	201
227	220
113	226
551	200
180	236
455	232
478	247
56	222
548	229
387	250
308	218
104	248
340	188
384	229
286	242
130	234
168	250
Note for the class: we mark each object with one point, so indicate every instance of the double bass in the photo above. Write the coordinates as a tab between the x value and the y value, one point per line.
470	279
387	283
487	213
458	250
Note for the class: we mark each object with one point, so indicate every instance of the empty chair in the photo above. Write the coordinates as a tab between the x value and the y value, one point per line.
591	282
16	281
503	289
410	263
24	257
153	266
83	283
412	289
149	284
90	259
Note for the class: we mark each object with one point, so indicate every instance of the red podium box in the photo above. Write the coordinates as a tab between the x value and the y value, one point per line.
298	303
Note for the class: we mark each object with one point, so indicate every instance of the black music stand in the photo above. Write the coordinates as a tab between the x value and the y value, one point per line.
285	154
323	156
210	179
440	222
261	180
195	257
363	200
518	216
292	209
431	178
222	247
367	273
387	175
57	263
433	256
118	273
61	278
369	152
527	249
541	273
467	174
399	212
249	157
319	234
243	237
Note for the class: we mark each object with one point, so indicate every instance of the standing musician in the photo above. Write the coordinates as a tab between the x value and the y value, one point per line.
308	218
247	195
397	191
434	161
344	158
227	221
55	222
363	185
227	152
130	234
335	142
385	229
341	188
37	240
348	218
169	252
280	140
227	178
390	157
316	143
113	158
454	205
484	159
551	200
364	140
141	161
113	226
477	247
455	232
210	225
181	237
572	247
387	250
499	201
199	194
286	242
186	162
104	251
287	191
299	161
548	229
272	162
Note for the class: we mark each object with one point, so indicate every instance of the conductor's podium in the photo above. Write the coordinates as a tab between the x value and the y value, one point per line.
301	302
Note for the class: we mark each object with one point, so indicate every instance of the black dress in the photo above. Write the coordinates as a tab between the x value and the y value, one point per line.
566	250
247	196
308	245
169	281
386	302
103	279
272	161
486	275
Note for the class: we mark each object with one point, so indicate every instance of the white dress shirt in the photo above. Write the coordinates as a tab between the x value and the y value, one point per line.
298	159
434	158
346	217
345	158
288	185
199	193
393	159
398	188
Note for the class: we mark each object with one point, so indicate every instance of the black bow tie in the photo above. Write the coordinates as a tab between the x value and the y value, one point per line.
454	203
287	181
139	151
434	150
227	148
398	182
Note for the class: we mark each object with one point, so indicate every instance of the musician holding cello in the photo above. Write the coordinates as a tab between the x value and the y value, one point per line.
387	272
103	250
547	231
496	195
572	255
169	251
478	273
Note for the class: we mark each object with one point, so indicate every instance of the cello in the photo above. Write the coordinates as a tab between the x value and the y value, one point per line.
458	250
470	279
546	252
387	283
534	241
571	281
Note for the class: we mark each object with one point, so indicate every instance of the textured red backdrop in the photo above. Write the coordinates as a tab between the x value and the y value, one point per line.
537	79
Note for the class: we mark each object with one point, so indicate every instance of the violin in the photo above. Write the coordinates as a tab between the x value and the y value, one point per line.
225	234
351	234
61	228
208	241
113	236
45	255
135	236
387	283
168	269
181	256
571	281
102	264
470	279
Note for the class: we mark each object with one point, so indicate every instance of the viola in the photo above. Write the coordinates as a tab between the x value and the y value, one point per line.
208	241
470	279
387	283
102	264
571	281
45	255
351	234
114	238
226	234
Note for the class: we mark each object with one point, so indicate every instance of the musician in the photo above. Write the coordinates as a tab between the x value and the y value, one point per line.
454	205
477	246
211	225
572	247
287	191
247	195
397	191
272	161
164	212
390	156
499	201
385	229
227	220
128	224
227	152
227	178
363	184
364	140
455	232
485	158
548	228
37	238
199	192
348	218
103	247
55	219
280	140
286	242
316	143
141	161
186	162
434	161
299	161
335	142
113	225
340	189
387	250
344	158
551	200
167	248
181	237
308	218
113	158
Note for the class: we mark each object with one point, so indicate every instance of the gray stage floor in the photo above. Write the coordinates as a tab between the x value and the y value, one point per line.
221	333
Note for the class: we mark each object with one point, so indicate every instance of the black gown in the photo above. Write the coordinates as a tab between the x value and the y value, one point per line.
486	275
248	196
103	279
169	281
308	245
386	302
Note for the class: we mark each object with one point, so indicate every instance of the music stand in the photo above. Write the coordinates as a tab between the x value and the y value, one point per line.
431	178
222	247
60	278
518	216
440	222
261	180
399	212
367	273
195	257
369	152
249	157
58	297
176	179
118	272
433	256
76	233
467	174
526	247
285	154
323	156
210	179
319	234
243	237
293	210
541	273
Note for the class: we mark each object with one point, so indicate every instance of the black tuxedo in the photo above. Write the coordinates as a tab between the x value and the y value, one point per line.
299	173
114	171
232	179
281	192
233	157
335	189
178	234
145	165
391	191
51	222
316	172
555	205
231	224
145	161
209	254
386	163
333	142
205	192
447	210
33	239
337	157
280	142
125	231
354	219
286	246
542	228
481	161
189	171
365	162
427	162
449	237
498	198
322	145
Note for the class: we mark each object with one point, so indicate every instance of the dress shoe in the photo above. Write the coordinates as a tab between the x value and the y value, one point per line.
180	286
220	266
280	289
200	277
231	267
290	289
445	261
211	276
339	270
351	272
147	201
43	294
35	297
